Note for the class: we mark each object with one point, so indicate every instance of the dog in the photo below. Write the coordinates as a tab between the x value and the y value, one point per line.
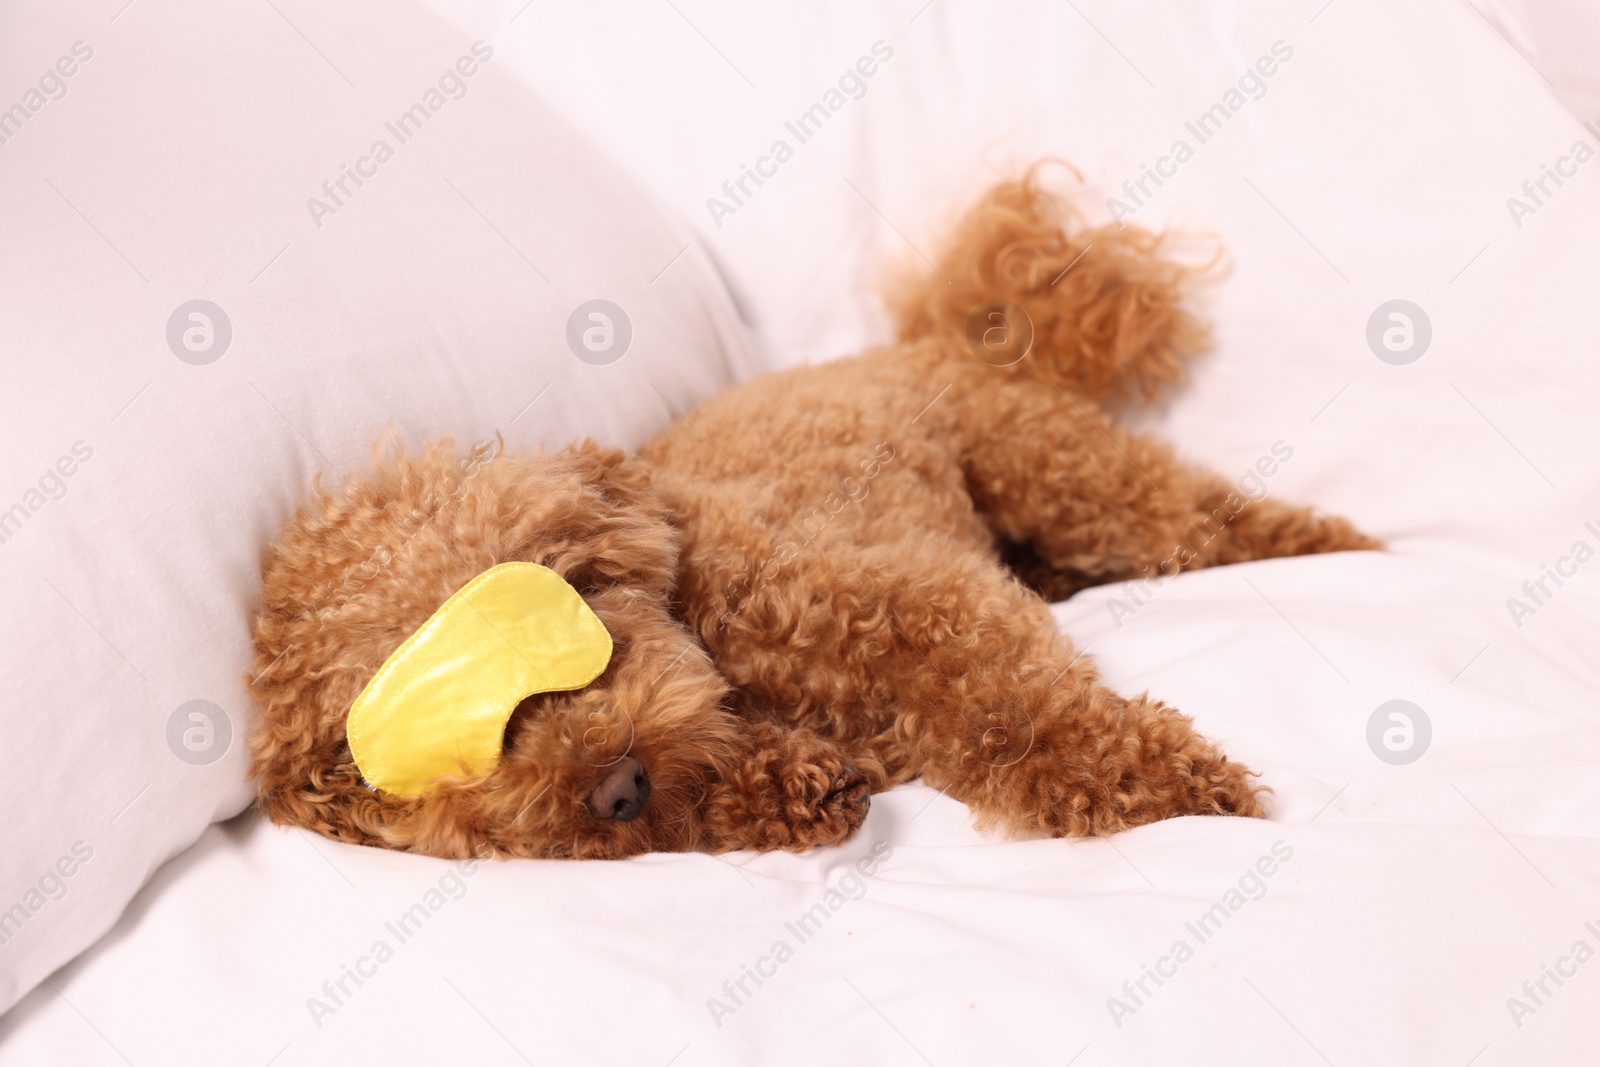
811	583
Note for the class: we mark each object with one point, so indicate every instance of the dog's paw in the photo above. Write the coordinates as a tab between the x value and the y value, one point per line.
1218	786
1335	534
824	803
794	791
788	804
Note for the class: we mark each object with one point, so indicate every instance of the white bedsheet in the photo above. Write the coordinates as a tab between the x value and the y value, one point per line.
1396	910
1421	909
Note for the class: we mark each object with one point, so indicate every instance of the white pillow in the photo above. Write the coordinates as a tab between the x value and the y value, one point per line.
196	324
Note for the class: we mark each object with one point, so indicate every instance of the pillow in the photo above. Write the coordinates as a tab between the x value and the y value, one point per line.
242	241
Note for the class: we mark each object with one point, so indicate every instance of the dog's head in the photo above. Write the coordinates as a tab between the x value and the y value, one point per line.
617	767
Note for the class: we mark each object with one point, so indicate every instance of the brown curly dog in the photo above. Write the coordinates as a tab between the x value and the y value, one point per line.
804	581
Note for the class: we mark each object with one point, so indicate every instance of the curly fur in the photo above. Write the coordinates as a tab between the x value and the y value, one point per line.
805	583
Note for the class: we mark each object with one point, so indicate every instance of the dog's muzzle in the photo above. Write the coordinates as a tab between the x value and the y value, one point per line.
622	791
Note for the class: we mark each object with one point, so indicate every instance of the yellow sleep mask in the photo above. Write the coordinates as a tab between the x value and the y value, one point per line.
440	703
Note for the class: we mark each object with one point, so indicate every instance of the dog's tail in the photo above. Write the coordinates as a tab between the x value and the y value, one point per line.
1101	309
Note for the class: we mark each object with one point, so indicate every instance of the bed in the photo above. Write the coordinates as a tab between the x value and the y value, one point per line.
1428	717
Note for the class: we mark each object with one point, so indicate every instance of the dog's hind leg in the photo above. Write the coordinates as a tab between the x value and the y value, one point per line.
1099	504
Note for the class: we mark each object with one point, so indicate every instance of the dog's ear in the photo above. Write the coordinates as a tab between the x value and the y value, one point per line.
605	528
382	551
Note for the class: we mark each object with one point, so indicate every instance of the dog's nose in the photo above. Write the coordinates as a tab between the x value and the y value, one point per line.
622	791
